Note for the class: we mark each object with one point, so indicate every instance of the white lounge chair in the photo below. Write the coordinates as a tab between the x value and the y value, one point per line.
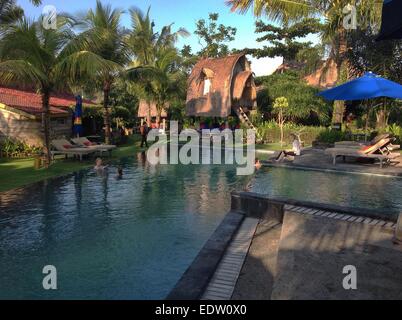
86	143
64	147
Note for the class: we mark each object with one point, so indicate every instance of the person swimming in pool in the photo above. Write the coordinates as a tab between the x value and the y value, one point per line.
119	173
258	164
99	165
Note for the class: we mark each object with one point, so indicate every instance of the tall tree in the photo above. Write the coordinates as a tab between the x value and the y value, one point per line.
156	65
162	81
338	15
213	37
144	42
381	57
284	40
103	35
10	12
46	59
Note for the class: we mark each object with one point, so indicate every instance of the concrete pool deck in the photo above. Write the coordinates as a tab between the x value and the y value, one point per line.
316	159
285	249
303	258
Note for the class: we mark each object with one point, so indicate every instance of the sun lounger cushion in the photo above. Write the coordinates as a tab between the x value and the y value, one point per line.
373	148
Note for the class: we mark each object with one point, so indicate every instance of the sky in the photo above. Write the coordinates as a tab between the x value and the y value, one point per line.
183	13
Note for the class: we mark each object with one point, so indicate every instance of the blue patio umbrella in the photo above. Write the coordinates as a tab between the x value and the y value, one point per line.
369	86
391	27
78	129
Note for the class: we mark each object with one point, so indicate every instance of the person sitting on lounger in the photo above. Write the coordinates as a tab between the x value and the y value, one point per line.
296	149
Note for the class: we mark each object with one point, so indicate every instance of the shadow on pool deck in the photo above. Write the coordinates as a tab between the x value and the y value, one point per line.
316	159
304	257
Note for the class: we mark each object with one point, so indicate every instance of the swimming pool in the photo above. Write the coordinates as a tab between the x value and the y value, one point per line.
133	238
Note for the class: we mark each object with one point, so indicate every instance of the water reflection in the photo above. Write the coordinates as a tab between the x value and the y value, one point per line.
133	238
128	238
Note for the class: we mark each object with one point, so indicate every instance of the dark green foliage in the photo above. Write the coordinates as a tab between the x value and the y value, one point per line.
284	40
331	136
214	37
12	148
304	104
381	57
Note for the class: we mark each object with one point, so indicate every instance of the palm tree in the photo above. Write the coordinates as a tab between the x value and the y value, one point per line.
145	42
103	35
156	62
46	59
10	12
162	80
331	11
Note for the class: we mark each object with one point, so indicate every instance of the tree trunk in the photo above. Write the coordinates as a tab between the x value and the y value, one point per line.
281	123
339	106
158	115
149	115
382	119
106	117
46	125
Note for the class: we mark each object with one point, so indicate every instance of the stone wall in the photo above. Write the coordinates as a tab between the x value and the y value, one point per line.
30	130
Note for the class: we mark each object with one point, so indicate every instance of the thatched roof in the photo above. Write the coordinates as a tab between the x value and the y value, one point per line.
145	108
229	76
325	76
240	83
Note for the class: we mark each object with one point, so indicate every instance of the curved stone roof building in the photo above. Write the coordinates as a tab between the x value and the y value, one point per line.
219	87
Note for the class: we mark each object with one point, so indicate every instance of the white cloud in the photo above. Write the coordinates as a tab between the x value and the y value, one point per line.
265	66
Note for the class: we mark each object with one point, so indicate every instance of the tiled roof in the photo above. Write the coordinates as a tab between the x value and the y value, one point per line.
31	102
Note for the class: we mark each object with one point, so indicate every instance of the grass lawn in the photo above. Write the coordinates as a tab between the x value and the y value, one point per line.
21	172
273	147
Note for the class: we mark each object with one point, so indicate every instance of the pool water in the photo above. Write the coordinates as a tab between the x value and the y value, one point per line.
133	238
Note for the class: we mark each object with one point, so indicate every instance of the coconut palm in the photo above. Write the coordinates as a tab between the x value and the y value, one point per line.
330	11
103	35
145	42
10	12
156	63
162	80
45	59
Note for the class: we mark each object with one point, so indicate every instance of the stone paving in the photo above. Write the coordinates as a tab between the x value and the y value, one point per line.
303	257
317	159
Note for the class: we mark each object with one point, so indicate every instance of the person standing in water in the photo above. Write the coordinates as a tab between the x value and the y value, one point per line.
144	134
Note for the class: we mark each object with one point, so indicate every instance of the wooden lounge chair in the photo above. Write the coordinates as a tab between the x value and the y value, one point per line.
355	144
86	143
358	145
64	147
378	151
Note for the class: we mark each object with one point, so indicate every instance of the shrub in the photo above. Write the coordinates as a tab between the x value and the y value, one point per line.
11	148
331	136
396	131
269	132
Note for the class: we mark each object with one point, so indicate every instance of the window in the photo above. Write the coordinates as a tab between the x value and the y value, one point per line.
207	76
207	86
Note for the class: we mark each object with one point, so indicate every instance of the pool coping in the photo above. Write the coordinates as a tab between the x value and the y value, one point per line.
260	206
331	170
195	280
